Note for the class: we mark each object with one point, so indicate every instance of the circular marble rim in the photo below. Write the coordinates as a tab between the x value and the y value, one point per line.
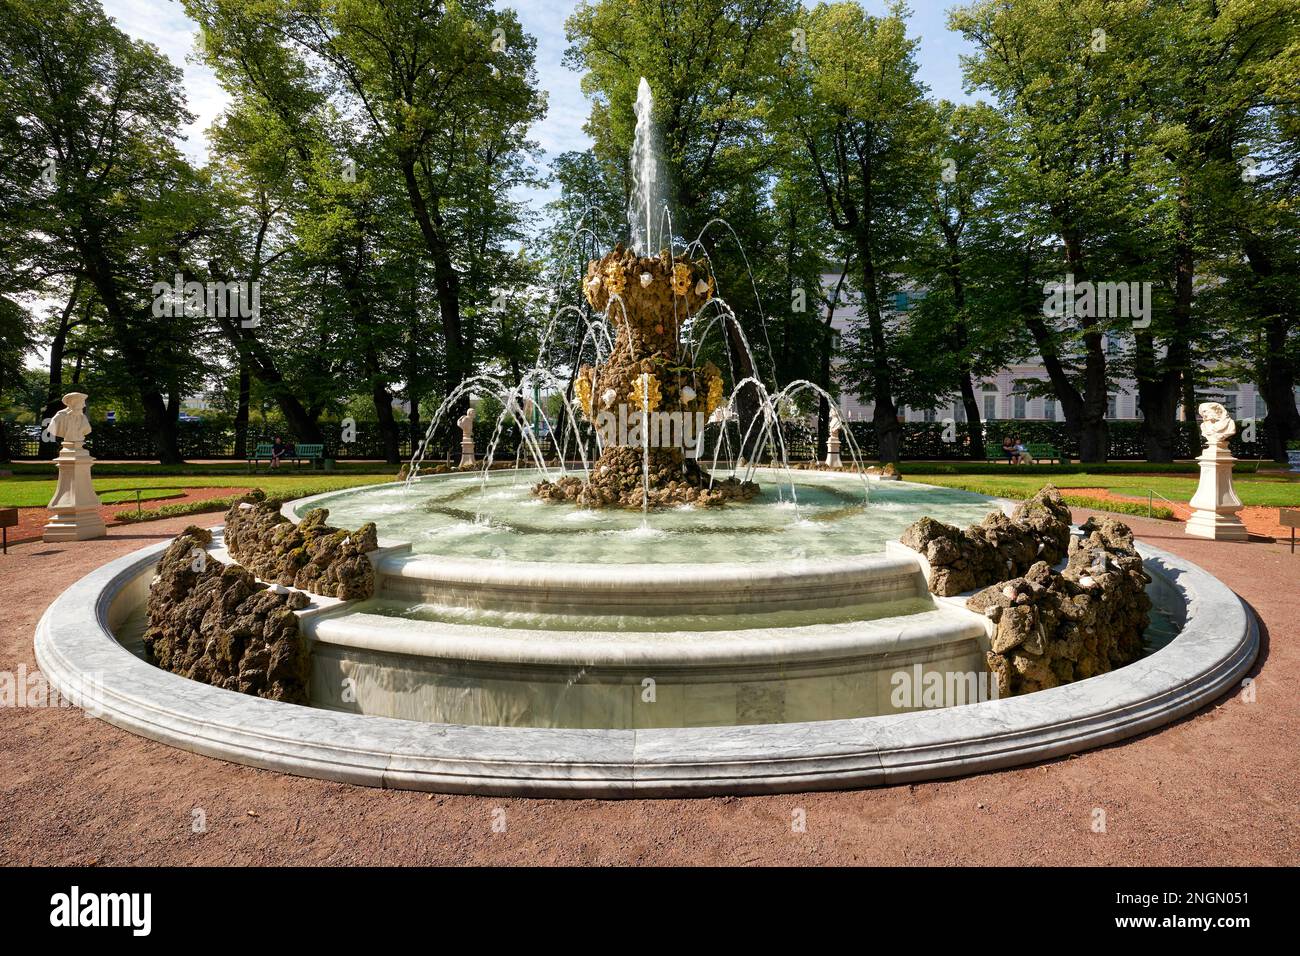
79	655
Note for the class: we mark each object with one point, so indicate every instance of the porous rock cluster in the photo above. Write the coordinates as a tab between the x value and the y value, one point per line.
617	482
1052	628
996	549
309	555
217	624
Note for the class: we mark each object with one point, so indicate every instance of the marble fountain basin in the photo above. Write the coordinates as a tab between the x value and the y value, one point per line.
473	673
687	621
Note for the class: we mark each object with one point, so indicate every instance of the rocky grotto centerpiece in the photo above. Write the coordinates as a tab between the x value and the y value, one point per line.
649	403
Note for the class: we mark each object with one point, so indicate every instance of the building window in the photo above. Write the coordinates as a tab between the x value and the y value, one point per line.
1112	406
1018	405
1261	406
900	301
928	415
1049	409
990	407
1230	403
959	412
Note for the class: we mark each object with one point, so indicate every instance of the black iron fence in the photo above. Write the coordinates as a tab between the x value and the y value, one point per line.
132	441
217	439
933	441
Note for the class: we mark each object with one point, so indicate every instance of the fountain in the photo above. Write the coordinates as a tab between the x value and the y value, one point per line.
645	402
639	612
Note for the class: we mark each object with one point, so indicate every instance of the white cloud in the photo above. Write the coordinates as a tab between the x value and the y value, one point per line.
164	24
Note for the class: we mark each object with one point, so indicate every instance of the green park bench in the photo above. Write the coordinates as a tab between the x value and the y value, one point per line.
1043	452
312	453
993	451
263	452
302	452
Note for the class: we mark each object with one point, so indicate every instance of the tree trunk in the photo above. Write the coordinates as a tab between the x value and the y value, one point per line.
241	410
974	424
301	422
1159	388
161	426
1094	437
961	341
1277	381
58	344
446	278
383	401
885	413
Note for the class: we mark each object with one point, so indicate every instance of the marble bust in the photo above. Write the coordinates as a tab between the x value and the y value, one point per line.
466	423
1217	425
71	423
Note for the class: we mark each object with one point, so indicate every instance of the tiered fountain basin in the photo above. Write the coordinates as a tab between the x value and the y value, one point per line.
491	661
707	640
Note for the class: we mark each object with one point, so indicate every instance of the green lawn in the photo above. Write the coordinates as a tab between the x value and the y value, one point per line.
1264	490
23	491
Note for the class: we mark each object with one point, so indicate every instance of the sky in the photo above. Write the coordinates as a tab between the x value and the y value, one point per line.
164	24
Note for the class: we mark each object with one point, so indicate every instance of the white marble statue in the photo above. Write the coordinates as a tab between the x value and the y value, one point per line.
833	459
466	423
71	423
1217	425
74	509
836	422
1215	505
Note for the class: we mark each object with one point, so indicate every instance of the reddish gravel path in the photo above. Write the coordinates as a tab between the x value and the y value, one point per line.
1219	787
1258	520
31	521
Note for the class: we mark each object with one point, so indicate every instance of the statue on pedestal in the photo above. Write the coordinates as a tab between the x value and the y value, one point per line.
466	423
1215	504
75	505
833	439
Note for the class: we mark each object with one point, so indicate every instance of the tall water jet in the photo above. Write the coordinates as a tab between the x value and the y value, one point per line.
648	197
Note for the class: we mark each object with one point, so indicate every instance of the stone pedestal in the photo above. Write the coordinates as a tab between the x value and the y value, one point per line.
466	452
833	451
75	506
1215	504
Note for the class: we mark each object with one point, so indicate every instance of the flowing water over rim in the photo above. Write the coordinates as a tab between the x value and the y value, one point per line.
464	515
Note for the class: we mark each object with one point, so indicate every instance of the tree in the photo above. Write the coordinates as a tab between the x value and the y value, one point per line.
16	343
1063	86
853	102
92	118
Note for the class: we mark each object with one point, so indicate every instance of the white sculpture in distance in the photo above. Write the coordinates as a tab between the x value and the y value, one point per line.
466	423
75	506
1215	504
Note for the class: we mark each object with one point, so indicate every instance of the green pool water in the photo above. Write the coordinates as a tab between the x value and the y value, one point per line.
824	516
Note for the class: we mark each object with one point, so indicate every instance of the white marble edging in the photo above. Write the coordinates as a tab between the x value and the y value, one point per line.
78	653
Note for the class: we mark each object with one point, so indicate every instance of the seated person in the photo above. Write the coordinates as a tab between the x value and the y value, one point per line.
1009	449
1022	452
278	450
